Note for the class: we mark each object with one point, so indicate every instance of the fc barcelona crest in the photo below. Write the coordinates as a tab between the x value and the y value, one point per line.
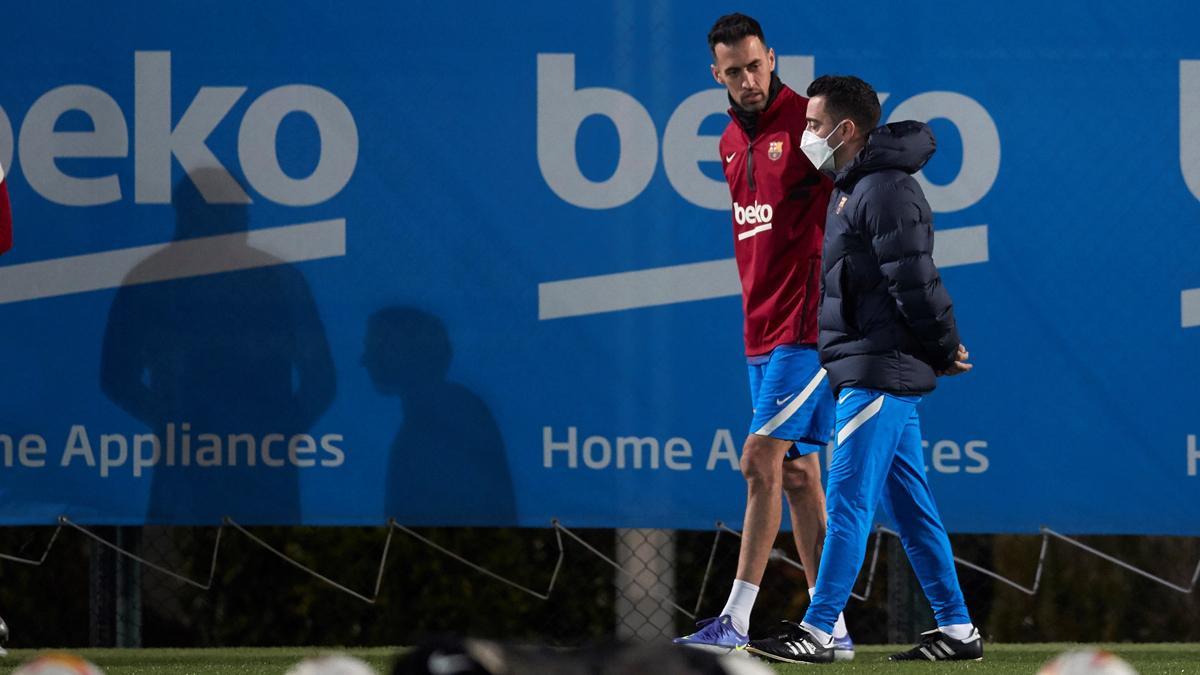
775	150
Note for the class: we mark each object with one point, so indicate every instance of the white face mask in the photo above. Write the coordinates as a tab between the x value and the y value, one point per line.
817	149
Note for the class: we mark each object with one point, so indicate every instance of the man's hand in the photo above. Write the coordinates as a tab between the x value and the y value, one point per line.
960	364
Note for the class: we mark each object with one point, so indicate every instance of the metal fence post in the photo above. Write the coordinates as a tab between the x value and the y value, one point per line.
908	611
115	591
647	586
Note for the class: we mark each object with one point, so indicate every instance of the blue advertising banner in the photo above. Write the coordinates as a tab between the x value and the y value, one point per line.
471	263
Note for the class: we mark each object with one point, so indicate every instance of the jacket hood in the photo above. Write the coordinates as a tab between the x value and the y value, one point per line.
906	146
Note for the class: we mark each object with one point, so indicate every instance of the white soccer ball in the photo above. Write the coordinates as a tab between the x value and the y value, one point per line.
334	664
1087	662
58	664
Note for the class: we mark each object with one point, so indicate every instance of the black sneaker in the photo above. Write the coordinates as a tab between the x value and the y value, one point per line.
937	646
793	644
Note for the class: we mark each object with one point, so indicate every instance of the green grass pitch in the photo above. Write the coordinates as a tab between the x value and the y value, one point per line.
1148	659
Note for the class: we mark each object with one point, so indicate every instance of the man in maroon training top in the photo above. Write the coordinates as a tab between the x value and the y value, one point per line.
779	202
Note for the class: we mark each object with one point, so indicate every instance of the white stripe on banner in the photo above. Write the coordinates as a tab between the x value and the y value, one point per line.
644	288
791	408
1189	302
180	259
961	246
860	419
706	280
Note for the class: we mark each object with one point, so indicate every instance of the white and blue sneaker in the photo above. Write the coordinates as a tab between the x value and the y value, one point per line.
716	635
843	648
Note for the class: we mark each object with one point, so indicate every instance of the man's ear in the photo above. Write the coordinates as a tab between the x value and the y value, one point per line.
850	129
771	59
717	75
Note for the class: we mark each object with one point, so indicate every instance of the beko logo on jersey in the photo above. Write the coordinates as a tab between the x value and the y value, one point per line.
157	140
753	214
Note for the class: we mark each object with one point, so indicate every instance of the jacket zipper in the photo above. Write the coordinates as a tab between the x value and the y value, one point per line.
750	166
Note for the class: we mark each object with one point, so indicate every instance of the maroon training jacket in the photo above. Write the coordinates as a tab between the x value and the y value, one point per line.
779	203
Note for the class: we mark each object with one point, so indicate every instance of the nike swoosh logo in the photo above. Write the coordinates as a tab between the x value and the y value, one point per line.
781	401
730	157
844	397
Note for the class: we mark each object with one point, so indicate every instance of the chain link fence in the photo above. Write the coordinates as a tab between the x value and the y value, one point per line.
629	584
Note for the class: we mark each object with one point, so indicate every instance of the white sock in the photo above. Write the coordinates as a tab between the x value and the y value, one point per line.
741	601
839	627
822	636
958	631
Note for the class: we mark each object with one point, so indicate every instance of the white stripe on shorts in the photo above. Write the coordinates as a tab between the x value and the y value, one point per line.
860	419
783	415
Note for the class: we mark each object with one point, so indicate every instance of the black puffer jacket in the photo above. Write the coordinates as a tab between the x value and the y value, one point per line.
886	321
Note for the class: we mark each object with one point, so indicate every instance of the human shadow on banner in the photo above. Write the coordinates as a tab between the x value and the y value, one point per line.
226	369
447	464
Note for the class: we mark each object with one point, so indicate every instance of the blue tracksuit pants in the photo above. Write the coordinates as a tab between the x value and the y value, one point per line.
879	457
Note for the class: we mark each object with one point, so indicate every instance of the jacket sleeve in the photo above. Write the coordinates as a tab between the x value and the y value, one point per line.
900	224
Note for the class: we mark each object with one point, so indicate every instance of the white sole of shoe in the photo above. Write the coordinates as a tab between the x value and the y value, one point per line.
712	649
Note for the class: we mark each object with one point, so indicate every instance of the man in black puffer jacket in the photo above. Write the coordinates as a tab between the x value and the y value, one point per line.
887	331
886	320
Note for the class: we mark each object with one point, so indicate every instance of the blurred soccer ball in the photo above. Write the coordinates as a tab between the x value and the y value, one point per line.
740	663
1087	662
338	664
58	664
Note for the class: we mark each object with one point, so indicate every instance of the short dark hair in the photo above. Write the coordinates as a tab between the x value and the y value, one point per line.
732	29
847	97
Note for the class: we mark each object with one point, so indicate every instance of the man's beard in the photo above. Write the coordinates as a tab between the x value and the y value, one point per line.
756	105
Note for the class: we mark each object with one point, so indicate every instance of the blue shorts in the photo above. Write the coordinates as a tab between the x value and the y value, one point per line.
791	397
